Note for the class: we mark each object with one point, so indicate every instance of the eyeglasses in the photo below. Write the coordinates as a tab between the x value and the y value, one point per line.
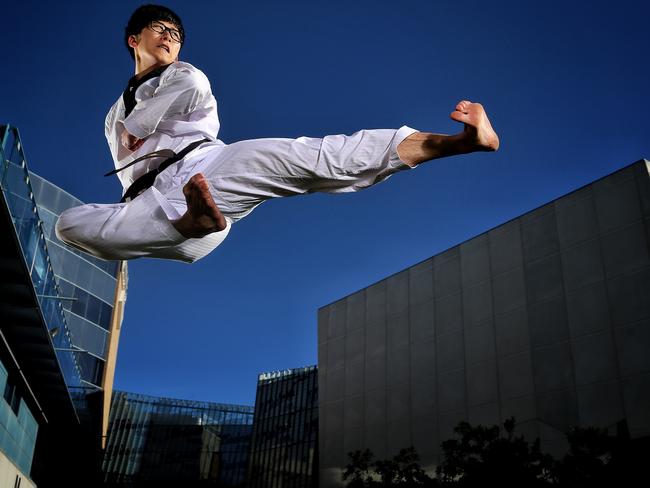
160	28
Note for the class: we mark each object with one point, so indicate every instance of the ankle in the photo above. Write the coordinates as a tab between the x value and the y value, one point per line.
460	143
181	225
417	148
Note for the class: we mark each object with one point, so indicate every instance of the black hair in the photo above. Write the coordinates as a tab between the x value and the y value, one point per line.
144	14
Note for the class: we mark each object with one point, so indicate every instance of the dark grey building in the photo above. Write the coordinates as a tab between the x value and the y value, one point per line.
284	447
545	318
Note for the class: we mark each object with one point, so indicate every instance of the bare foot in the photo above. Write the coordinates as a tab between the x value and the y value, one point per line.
478	132
203	216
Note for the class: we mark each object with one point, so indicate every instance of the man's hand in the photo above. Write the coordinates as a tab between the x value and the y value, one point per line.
131	142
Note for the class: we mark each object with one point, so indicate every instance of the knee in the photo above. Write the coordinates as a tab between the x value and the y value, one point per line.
69	230
64	228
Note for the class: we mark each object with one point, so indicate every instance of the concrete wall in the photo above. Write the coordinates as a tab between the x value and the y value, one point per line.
545	318
11	475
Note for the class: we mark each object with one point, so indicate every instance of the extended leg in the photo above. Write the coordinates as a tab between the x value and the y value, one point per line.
478	135
249	172
242	175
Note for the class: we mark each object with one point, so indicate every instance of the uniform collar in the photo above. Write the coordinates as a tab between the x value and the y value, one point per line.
129	93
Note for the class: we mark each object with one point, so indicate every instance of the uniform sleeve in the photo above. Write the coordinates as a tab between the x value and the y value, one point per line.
178	94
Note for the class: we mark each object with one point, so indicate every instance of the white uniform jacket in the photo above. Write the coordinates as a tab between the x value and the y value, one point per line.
174	107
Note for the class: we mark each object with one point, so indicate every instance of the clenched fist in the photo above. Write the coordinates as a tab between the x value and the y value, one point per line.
131	142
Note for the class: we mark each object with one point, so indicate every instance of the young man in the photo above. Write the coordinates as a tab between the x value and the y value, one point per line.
183	187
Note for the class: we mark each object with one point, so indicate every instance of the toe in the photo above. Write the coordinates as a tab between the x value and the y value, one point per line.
203	184
463	105
459	116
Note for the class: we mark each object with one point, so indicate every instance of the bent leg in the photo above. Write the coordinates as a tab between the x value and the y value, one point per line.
140	228
202	216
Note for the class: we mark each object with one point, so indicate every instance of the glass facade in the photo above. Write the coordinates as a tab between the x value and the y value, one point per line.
18	428
154	439
285	430
87	284
30	230
60	332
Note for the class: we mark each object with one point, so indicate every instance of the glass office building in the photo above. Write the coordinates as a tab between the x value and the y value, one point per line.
22	206
36	347
545	318
61	312
165	440
93	297
285	430
87	284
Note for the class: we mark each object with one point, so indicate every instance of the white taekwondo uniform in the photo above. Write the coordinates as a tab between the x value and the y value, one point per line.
173	107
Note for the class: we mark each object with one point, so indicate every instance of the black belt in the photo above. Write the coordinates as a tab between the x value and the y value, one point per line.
147	179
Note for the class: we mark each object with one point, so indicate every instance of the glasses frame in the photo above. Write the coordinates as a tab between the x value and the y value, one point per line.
172	32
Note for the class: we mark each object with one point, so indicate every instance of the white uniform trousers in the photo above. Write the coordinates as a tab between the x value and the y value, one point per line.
241	175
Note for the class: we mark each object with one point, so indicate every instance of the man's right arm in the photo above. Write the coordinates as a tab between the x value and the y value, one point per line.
179	93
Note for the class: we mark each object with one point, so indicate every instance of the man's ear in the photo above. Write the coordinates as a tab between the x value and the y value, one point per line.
134	38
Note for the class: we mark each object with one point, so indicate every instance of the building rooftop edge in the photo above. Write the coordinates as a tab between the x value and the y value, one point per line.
285	372
170	399
627	166
56	186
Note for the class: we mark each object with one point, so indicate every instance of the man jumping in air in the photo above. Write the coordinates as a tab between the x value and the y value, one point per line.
184	188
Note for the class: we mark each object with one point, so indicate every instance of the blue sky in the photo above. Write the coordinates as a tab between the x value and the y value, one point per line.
564	83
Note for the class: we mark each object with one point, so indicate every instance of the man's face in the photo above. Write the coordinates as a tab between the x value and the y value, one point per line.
152	45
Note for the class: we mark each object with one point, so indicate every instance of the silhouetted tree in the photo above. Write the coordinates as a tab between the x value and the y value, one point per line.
596	458
492	456
590	452
483	456
402	470
359	469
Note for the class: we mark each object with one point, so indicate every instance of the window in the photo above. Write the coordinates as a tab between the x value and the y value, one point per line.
12	396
